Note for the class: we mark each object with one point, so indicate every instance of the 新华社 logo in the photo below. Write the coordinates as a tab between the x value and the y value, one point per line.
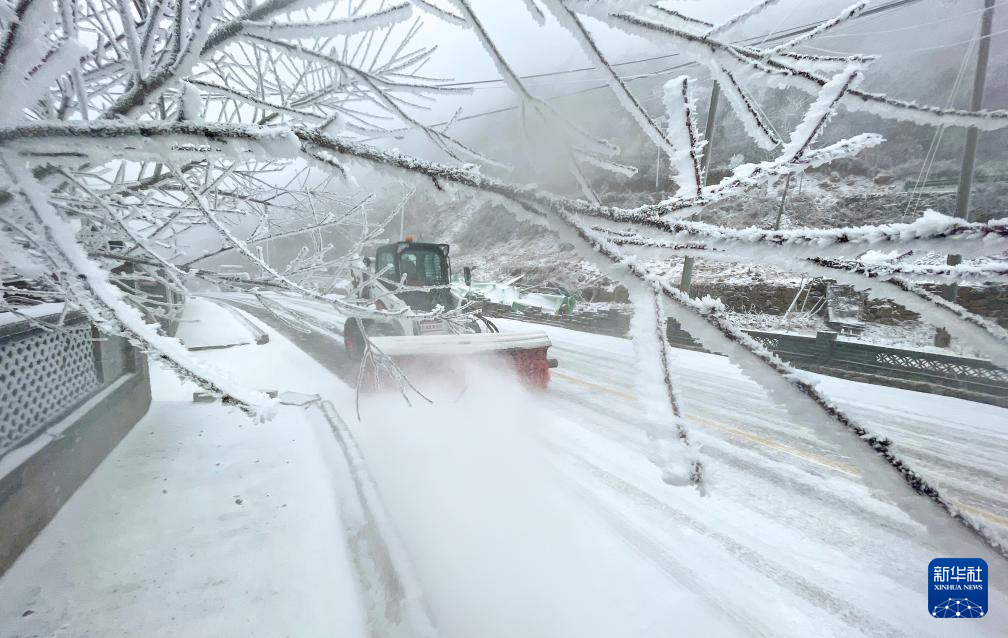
957	588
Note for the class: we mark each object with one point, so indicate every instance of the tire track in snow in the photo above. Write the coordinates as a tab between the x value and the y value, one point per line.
811	500
703	395
398	603
812	593
659	555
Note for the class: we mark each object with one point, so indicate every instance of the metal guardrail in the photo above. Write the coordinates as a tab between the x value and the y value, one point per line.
68	395
933	372
949	182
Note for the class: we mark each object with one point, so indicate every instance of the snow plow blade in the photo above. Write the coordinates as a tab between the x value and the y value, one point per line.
525	352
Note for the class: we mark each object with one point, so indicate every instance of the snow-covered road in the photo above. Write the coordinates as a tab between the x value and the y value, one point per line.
788	541
524	513
787	520
959	445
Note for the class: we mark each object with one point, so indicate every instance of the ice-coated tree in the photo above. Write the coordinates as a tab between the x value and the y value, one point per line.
128	127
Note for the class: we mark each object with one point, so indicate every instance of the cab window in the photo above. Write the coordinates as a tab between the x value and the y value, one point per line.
385	259
422	268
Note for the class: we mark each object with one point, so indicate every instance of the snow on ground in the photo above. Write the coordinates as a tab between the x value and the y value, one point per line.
955	443
206	324
788	531
200	523
523	514
502	544
906	335
784	509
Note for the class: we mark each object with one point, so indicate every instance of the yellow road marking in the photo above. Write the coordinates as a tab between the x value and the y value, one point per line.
589	384
808	456
994	518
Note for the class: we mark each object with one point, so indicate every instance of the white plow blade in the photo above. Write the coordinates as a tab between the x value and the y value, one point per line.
465	344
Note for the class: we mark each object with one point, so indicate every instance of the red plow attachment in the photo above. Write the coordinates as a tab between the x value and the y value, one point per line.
421	356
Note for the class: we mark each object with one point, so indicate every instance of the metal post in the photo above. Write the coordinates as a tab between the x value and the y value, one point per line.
952	290
780	209
687	275
709	130
657	169
686	281
687	272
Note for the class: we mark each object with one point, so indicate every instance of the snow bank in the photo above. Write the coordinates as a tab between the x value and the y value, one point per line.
204	325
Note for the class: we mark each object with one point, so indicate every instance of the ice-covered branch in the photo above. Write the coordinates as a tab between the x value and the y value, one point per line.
153	83
693	471
740	17
777	70
570	21
993	271
968	237
90	287
819	113
688	145
431	7
927	232
850	12
329	28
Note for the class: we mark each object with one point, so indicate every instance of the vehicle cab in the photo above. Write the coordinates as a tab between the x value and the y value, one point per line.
416	265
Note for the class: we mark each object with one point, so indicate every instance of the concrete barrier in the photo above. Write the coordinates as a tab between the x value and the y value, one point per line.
68	399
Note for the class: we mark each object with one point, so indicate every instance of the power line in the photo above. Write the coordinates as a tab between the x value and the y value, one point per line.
550	74
909	27
783	34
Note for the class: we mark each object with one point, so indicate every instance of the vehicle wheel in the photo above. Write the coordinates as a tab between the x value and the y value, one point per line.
353	339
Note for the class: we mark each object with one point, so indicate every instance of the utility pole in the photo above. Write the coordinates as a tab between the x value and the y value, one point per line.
976	103
942	338
686	282
972	133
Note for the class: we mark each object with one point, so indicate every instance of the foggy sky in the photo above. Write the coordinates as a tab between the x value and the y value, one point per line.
896	36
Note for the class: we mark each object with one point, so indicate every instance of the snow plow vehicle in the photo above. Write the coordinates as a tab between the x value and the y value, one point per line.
412	282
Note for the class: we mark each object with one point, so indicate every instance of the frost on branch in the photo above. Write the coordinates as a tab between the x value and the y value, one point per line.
683	128
129	128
